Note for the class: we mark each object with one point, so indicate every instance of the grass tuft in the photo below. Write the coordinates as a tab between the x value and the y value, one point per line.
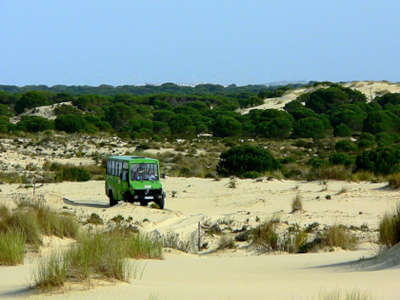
297	204
338	236
12	248
389	228
99	255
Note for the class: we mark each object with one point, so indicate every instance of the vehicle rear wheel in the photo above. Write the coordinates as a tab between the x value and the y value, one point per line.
143	203
112	200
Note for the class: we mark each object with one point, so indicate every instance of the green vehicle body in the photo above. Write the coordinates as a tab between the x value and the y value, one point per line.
134	179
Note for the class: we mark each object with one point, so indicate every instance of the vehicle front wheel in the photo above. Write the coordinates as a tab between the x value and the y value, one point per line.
161	202
112	200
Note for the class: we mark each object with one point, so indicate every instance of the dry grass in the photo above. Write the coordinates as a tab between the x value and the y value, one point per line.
265	237
394	181
389	228
338	236
297	204
225	242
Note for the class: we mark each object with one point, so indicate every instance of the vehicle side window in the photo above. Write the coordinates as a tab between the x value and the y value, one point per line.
113	168
108	167
119	168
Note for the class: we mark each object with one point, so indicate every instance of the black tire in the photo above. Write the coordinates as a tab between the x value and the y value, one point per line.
161	202
143	203
112	200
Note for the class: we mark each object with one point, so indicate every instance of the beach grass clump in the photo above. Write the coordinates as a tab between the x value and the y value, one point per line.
94	256
338	236
97	255
141	246
12	248
389	228
52	223
297	204
51	272
33	219
265	237
172	240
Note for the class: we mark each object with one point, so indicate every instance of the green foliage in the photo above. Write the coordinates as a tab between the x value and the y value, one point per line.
309	127
342	130
34	124
68	172
389	98
379	161
70	123
381	121
386	139
322	100
31	99
366	140
224	126
345	146
340	159
241	159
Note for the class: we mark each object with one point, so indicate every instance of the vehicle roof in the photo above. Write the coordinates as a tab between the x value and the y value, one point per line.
130	158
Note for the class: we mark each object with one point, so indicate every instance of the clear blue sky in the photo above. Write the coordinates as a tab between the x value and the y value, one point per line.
154	41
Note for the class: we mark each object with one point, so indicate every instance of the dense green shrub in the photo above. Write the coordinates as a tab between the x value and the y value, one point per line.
342	130
340	159
323	100
70	123
241	159
31	99
381	121
379	161
389	98
224	126
309	128
366	140
386	139
345	146
34	124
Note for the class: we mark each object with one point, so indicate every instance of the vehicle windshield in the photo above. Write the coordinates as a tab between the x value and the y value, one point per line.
144	171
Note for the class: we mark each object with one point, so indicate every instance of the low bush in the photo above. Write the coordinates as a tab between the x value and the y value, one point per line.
389	228
94	219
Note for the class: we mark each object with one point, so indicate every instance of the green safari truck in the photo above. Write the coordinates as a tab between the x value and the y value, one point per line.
134	179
